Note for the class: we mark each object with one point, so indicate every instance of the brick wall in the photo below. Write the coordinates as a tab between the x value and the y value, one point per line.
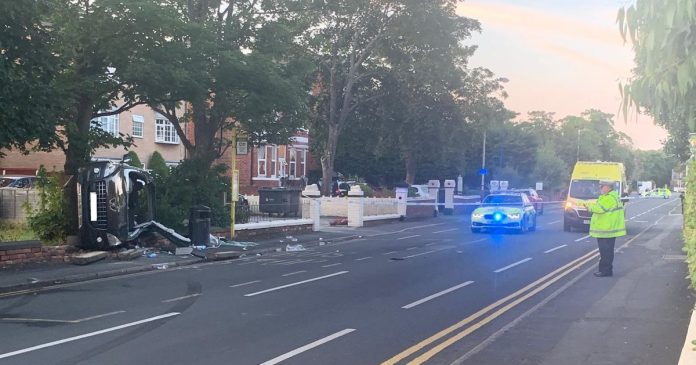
32	252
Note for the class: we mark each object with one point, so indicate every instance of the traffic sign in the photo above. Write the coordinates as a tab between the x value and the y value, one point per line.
504	185
495	185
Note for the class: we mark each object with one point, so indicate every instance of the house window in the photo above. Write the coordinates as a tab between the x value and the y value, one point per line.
109	124
165	131
138	126
261	161
293	163
303	161
273	152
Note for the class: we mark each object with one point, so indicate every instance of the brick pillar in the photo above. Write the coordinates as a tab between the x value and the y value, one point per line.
449	196
434	192
356	206
313	209
401	199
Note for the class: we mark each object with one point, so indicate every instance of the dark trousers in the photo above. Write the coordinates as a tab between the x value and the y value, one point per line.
606	254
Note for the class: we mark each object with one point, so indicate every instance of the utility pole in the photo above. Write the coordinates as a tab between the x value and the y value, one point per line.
483	168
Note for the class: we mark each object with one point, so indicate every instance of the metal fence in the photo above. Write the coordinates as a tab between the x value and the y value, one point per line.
12	202
256	213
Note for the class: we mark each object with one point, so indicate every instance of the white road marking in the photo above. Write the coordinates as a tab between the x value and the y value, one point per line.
86	335
439	294
512	265
481	240
308	347
426	253
407	237
60	320
245	284
294	273
555	248
640	221
181	298
389	253
364	258
582	238
331	265
554	222
431	243
411	248
295	284
447	230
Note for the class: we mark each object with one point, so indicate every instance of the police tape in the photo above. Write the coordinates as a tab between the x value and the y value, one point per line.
425	202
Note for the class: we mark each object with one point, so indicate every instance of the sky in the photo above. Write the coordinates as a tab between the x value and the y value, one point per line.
561	56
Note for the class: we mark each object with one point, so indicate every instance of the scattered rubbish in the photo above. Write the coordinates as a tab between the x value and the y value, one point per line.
151	255
282	241
294	248
321	239
278	249
33	280
160	266
201	247
322	243
258	254
397	259
294	240
183	251
288	237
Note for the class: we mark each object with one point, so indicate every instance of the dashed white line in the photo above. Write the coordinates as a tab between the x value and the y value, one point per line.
554	222
308	347
512	265
294	273
60	320
407	237
181	298
389	253
363	258
411	248
439	294
582	238
295	284
332	265
446	230
426	253
86	335
555	248
245	284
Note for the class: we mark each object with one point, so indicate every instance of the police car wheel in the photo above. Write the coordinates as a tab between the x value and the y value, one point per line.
475	230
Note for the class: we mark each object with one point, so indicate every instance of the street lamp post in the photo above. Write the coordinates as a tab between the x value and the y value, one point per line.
483	167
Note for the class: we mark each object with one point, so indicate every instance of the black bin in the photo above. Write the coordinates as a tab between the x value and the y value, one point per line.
279	201
199	225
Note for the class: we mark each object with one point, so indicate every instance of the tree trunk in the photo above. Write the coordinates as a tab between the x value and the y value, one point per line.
327	160
410	167
76	155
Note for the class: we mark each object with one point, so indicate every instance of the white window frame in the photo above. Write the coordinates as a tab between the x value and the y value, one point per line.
109	124
261	150
292	167
274	159
165	131
304	162
138	121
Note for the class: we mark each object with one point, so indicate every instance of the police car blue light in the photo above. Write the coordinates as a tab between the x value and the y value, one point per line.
508	211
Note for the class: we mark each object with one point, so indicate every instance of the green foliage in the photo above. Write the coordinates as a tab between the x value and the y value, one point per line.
655	166
367	189
134	159
48	219
176	193
10	232
690	224
158	166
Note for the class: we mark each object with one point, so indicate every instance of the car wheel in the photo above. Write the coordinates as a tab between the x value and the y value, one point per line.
567	227
532	228
475	230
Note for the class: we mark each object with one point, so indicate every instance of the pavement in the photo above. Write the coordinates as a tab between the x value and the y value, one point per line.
420	292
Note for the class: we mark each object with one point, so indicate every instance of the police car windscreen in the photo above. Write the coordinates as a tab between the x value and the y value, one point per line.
503	200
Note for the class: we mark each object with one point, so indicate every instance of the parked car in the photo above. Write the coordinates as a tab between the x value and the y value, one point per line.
533	197
18	182
418	191
341	188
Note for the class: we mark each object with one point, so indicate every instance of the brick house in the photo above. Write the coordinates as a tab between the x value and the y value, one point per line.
150	131
272	165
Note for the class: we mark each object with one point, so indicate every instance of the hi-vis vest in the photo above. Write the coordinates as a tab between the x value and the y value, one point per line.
607	216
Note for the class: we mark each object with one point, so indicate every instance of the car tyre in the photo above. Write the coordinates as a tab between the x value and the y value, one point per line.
475	230
532	228
567	227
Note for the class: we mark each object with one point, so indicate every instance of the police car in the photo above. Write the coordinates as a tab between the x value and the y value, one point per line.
507	211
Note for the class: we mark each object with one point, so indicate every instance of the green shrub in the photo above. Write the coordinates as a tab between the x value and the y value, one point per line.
48	219
134	159
158	166
367	189
10	232
690	223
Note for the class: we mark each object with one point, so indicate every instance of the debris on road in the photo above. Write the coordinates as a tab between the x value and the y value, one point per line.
294	248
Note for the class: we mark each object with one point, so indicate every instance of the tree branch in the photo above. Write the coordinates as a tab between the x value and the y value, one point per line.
177	126
120	110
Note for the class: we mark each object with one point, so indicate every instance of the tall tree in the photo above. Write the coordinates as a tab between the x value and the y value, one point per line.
28	94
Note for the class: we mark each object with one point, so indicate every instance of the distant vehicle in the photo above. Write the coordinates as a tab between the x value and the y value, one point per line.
664	193
419	191
534	197
509	211
584	187
18	182
341	188
644	186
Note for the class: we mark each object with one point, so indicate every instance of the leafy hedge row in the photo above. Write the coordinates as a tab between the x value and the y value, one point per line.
690	222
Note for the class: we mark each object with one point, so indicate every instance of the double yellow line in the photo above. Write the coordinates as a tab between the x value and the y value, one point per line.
514	299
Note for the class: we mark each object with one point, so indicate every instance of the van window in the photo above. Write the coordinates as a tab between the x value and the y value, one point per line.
587	189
